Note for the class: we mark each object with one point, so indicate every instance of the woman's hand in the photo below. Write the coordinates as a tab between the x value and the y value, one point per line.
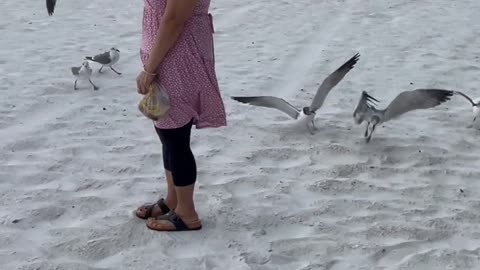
144	80
177	12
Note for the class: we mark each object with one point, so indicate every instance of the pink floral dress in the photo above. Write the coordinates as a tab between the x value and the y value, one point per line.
188	69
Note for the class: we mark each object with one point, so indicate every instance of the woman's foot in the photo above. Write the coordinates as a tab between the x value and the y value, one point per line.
173	222
149	210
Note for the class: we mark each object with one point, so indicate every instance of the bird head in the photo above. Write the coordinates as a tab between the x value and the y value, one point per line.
113	49
307	111
86	64
357	118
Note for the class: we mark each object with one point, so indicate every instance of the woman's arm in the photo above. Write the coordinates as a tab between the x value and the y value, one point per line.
171	25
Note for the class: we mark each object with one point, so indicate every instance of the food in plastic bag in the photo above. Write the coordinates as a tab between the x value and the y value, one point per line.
155	104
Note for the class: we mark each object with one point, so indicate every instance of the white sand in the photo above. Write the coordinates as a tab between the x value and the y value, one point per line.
270	198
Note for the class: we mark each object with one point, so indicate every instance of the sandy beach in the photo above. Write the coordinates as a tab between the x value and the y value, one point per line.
75	164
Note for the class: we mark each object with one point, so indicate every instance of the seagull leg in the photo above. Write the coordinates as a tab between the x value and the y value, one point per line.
115	71
371	132
94	86
100	70
366	130
368	138
75	85
310	127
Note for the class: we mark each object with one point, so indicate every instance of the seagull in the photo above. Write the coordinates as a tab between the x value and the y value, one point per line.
475	105
51	6
108	58
308	112
83	72
404	102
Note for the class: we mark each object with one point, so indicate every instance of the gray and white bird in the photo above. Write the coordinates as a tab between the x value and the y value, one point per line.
475	105
306	114
404	102
108	58
83	72
51	6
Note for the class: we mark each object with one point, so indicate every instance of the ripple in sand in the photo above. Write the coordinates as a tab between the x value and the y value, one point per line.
100	242
30	218
438	258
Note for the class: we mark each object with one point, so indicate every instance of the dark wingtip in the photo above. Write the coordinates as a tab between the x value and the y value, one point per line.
369	97
352	61
240	99
443	95
369	100
356	57
50	6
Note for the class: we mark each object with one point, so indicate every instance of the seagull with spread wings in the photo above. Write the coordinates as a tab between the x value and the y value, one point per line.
308	112
404	102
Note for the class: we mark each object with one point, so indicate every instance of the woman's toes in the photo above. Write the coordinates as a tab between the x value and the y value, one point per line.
160	225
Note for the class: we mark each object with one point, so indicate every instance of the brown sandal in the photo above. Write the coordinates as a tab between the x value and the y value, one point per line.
173	218
148	207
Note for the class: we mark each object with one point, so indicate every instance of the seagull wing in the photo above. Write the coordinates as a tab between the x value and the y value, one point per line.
76	70
365	103
51	6
414	100
465	96
270	102
330	82
102	58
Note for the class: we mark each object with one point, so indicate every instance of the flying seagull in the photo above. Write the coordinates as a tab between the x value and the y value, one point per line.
308	112
51	6
475	105
404	102
83	72
108	58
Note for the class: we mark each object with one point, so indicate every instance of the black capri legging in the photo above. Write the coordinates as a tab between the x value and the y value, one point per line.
177	155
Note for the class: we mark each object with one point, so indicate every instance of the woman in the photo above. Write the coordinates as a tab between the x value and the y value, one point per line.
177	50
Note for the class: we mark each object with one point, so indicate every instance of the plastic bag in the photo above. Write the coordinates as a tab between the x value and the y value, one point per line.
155	104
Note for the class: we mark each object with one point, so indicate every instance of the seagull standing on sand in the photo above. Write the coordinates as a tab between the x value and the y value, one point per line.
308	112
83	72
403	103
475	105
51	6
108	58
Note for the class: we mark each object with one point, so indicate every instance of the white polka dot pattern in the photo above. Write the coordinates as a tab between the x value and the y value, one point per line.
188	69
